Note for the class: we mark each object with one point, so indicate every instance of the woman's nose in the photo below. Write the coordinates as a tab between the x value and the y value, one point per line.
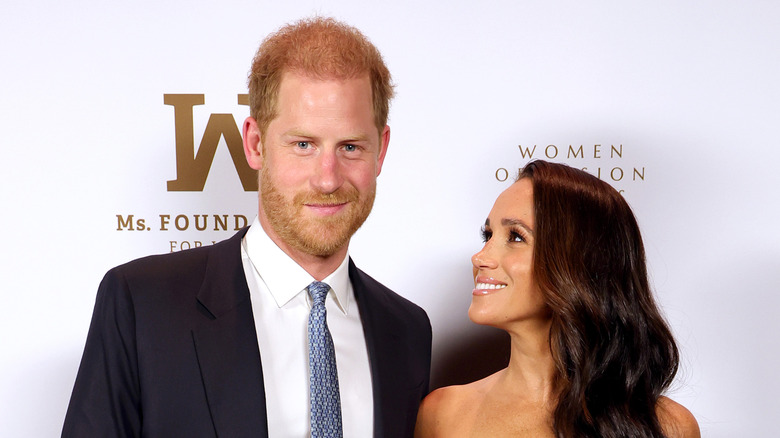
483	258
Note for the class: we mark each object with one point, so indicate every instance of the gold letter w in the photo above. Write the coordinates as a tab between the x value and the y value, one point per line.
192	168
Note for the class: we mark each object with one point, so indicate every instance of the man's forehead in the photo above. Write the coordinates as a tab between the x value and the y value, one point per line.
303	92
291	75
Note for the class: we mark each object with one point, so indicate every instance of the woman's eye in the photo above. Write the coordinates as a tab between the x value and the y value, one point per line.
486	235
516	237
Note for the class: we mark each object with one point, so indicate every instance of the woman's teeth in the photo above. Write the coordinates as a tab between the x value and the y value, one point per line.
490	286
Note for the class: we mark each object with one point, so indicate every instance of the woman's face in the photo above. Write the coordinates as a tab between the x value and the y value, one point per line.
504	288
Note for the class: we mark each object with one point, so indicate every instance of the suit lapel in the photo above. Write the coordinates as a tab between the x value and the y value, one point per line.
386	352
226	346
229	358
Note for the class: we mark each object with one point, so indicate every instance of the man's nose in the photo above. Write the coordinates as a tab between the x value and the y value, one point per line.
327	176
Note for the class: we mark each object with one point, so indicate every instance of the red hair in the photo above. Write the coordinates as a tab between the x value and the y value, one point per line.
321	48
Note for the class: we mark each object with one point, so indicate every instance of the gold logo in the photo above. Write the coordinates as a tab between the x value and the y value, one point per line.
192	166
192	169
608	160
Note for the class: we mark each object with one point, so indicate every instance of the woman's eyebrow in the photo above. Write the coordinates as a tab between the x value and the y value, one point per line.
507	222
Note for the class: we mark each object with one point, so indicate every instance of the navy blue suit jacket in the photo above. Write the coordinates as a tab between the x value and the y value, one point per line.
172	352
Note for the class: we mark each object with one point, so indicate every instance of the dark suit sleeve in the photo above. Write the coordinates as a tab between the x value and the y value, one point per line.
398	338
106	396
422	354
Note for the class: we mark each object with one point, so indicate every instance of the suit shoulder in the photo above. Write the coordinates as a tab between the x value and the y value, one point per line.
179	273
176	265
154	275
390	299
159	268
162	264
182	262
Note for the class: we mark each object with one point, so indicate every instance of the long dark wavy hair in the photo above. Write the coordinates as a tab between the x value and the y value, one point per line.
614	354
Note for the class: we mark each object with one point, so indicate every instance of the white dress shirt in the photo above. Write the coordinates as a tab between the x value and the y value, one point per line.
281	306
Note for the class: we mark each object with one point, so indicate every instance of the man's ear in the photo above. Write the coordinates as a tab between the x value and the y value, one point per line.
253	147
384	141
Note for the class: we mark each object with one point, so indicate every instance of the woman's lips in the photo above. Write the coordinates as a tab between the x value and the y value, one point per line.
486	285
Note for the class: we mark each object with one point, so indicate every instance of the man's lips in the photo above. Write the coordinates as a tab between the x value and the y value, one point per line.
487	285
326	209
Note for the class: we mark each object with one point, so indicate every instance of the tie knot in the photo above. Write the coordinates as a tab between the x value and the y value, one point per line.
318	291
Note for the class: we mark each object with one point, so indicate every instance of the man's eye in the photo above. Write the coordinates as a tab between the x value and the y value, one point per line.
350	147
303	145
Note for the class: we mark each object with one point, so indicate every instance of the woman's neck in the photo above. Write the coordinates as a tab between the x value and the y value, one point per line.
531	370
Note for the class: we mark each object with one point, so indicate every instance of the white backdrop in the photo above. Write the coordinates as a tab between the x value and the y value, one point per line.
689	89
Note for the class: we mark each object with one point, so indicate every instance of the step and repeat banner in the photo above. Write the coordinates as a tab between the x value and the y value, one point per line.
121	138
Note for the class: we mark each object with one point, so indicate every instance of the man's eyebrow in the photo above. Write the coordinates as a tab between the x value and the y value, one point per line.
296	132
508	222
357	137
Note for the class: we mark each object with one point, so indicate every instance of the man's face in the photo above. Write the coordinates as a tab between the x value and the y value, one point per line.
318	163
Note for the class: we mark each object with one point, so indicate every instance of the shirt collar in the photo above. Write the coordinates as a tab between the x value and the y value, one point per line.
283	277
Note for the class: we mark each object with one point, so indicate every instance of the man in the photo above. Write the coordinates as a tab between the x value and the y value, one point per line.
215	341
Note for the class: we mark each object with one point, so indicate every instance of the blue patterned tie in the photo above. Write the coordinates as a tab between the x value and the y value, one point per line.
323	378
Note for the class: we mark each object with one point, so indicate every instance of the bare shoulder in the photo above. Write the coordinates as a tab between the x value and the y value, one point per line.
444	411
436	411
676	420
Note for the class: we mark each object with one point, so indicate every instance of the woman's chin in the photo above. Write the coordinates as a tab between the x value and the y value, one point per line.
481	315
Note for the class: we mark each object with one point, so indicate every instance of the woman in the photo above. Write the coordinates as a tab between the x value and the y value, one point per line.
563	272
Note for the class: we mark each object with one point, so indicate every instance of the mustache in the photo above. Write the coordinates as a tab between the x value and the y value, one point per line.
340	196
